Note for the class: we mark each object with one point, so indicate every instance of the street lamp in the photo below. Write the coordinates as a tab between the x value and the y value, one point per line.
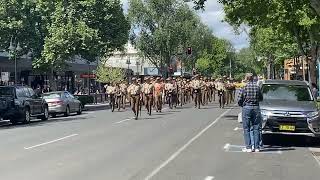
14	50
128	63
137	64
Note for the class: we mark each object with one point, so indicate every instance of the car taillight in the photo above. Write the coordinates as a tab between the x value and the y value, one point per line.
55	103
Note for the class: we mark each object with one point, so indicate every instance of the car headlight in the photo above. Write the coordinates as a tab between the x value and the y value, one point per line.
313	114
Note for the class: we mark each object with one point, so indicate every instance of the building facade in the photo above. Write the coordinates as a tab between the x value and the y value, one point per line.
129	59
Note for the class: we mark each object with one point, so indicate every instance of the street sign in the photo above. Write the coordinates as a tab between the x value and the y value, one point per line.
5	76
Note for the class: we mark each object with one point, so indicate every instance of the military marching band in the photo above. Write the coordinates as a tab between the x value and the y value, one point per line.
154	92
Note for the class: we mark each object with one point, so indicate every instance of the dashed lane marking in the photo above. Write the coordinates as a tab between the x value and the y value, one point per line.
129	119
209	178
237	129
49	142
180	150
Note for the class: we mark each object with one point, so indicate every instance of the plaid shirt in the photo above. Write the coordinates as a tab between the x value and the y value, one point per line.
250	95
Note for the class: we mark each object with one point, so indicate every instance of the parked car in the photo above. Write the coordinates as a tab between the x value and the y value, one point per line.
62	102
288	107
21	104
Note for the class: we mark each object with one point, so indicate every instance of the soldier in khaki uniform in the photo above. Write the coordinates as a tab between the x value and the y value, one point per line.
123	89
221	92
134	91
158	92
196	86
111	91
204	91
169	90
148	90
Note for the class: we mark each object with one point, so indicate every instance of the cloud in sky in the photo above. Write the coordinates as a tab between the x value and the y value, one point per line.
213	17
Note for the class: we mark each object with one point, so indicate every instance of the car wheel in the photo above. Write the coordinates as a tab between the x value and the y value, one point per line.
14	122
80	110
45	115
26	116
67	113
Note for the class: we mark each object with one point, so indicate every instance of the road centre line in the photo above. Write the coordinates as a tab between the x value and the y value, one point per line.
209	178
49	142
123	121
180	150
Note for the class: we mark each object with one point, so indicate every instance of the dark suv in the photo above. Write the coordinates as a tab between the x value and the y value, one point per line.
20	104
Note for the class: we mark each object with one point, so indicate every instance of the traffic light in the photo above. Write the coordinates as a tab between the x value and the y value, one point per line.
189	50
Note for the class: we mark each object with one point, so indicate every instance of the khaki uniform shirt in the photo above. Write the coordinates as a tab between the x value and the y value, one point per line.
148	89
196	84
111	90
169	86
220	86
134	89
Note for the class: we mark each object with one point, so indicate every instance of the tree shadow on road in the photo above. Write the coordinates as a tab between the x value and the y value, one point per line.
37	122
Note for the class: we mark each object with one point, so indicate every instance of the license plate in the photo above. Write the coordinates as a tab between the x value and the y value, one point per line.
287	128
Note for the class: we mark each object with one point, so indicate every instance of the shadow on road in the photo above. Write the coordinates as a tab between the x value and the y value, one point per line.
36	122
290	140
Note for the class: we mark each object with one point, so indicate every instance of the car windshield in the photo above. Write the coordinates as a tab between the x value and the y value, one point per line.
286	92
6	91
51	95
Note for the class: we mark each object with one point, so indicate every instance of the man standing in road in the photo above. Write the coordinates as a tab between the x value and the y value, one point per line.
249	99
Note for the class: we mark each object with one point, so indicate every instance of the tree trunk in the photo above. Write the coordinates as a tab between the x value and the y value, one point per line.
312	65
315	4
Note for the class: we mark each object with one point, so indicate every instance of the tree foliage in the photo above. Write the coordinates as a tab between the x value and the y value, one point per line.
107	74
56	31
286	18
165	29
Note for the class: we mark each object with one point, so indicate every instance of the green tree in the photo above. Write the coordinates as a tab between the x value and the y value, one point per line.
294	17
106	74
166	29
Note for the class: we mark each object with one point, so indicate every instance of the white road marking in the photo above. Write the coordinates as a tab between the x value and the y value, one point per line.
236	129
123	121
180	150
238	149
226	147
209	178
42	144
316	158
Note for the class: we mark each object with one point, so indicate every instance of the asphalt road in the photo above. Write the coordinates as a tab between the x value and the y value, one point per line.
180	144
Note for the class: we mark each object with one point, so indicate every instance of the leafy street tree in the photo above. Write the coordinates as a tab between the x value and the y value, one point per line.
107	74
294	17
56	31
164	29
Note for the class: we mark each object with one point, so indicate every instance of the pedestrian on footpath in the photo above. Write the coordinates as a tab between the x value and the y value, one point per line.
249	99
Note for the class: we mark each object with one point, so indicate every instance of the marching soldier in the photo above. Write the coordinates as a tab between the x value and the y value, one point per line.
169	88
148	90
111	91
158	92
196	86
204	91
118	97
123	89
134	91
220	86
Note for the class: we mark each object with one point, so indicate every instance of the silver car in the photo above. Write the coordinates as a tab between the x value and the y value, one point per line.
288	107
62	102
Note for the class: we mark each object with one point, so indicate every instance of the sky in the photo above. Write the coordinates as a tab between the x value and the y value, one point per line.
213	16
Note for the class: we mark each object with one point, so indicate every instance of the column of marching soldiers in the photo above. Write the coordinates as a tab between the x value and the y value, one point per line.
157	91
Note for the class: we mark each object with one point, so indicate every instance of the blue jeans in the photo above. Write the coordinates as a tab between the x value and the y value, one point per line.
251	123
